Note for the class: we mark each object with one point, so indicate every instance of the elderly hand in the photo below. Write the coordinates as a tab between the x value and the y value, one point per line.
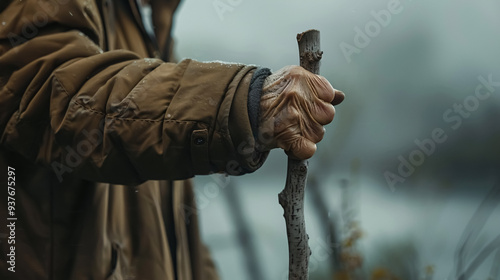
295	105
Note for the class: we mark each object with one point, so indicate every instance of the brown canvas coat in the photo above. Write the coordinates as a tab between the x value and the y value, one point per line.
102	139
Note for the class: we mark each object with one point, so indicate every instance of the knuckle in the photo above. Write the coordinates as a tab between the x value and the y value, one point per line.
324	113
303	148
320	134
291	94
294	115
316	134
330	113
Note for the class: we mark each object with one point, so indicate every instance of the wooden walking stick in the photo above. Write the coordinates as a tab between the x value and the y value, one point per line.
292	196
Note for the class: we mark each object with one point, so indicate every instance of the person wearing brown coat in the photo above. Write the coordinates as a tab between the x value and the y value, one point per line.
100	135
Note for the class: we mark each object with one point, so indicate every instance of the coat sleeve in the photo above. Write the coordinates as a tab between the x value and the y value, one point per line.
112	116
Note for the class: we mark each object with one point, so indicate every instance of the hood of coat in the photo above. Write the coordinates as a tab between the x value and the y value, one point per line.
163	16
110	24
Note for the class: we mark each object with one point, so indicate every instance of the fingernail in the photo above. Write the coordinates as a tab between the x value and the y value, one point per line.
338	97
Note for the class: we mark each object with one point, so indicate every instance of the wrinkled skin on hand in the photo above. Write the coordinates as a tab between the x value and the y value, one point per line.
295	105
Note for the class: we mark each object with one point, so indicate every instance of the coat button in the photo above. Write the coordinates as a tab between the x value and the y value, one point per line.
199	141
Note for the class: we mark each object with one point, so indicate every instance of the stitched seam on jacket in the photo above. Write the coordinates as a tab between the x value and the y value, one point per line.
115	118
128	119
124	119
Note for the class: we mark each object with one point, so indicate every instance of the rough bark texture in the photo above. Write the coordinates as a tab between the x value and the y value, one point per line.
292	201
309	50
292	197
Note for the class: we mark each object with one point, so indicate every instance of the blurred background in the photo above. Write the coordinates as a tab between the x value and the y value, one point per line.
405	183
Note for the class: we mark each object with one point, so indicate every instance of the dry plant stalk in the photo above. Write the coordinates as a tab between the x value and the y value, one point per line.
292	196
